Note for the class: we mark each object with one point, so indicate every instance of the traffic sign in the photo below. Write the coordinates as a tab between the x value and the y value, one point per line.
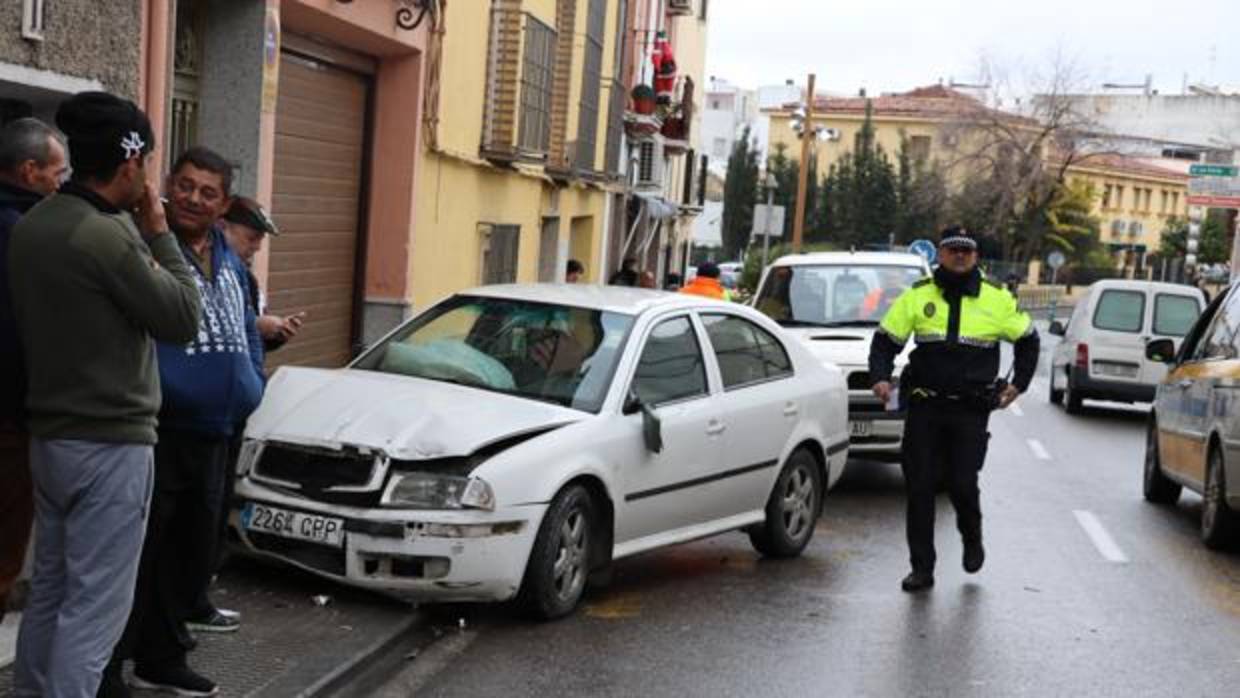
1055	259
760	214
1214	170
925	249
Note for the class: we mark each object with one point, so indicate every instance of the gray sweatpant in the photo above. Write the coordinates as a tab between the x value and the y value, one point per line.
91	502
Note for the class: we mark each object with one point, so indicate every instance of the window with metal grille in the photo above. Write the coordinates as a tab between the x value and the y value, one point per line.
537	72
591	86
919	148
646	163
499	253
32	19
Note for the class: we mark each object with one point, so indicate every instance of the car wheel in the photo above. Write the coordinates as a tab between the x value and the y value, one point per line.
1158	488
1056	396
1072	397
1218	521
559	564
792	509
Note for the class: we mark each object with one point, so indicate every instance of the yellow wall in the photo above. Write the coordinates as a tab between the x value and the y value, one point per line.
1130	207
887	132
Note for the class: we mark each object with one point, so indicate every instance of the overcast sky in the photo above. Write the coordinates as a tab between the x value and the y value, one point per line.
895	45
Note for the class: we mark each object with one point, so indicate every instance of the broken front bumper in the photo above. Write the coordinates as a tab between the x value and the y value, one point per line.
413	554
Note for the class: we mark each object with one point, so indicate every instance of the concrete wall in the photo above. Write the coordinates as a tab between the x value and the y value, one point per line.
90	39
1201	119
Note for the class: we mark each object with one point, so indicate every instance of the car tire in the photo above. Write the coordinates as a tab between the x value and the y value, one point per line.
1218	522
1156	486
1056	396
1072	397
559	564
791	509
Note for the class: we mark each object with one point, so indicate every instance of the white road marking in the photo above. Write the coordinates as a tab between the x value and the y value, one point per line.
1039	451
1016	410
1098	535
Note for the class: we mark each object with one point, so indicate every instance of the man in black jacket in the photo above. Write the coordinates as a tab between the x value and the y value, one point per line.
33	162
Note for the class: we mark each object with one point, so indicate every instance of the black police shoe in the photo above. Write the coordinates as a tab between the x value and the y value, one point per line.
974	556
177	679
917	581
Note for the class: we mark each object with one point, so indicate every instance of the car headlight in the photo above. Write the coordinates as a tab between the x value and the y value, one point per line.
433	491
248	455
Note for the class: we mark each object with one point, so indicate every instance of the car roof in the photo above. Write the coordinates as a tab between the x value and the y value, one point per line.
626	300
899	259
1140	285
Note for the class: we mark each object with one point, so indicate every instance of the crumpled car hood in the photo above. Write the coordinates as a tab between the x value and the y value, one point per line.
408	418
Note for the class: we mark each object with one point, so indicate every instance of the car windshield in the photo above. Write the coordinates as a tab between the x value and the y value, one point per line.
833	295
553	353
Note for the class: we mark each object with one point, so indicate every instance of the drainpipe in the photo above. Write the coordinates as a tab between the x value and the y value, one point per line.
155	72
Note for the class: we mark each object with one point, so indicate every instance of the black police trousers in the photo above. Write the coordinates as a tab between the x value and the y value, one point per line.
943	442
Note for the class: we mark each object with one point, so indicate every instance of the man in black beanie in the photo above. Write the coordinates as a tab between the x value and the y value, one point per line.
96	279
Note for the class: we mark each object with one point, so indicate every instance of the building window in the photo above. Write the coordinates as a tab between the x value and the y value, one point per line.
919	148
499	252
1175	203
1119	196
537	69
32	19
1163	207
702	11
1106	196
719	148
591	86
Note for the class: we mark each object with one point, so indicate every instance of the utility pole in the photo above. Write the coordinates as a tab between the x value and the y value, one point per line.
769	182
807	138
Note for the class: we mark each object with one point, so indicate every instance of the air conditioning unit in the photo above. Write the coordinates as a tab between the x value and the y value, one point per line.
650	163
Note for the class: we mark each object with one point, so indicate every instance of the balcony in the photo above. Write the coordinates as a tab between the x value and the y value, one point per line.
641	127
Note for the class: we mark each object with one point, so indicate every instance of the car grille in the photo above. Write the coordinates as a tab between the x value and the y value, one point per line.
859	380
314	470
316	557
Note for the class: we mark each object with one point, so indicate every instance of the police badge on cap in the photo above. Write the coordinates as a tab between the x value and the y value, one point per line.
956	236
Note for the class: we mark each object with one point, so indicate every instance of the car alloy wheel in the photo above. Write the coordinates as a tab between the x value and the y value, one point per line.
1218	521
798	502
791	509
559	564
572	558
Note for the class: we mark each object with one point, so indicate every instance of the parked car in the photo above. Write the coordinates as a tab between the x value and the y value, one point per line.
833	302
1193	439
1102	355
512	440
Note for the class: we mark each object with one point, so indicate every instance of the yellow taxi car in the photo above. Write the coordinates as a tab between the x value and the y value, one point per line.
1193	439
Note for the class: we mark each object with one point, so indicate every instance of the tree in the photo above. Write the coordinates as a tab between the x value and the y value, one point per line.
1212	245
787	174
1068	224
859	199
1013	165
921	195
740	192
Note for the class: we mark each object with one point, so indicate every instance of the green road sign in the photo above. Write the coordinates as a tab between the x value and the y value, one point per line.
1214	171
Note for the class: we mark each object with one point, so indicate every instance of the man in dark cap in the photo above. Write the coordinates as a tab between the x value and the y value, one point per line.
957	318
33	162
96	278
246	225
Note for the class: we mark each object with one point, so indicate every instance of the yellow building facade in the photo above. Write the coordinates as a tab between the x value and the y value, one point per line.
1134	200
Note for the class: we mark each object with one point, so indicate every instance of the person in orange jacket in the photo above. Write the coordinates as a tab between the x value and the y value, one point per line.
706	283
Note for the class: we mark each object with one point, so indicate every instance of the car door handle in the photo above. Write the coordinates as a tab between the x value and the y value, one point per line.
715	427
791	409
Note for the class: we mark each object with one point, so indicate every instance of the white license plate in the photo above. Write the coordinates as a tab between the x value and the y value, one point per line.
325	530
860	429
1117	370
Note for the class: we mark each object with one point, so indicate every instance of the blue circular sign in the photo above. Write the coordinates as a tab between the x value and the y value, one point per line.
924	249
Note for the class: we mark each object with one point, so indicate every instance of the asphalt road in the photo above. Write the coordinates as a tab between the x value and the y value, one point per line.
1087	590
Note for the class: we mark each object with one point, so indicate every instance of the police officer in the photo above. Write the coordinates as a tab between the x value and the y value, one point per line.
957	318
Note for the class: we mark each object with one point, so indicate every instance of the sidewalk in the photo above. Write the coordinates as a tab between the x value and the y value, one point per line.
287	645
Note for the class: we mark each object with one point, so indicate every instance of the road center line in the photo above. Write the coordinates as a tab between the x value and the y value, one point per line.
1039	451
1099	537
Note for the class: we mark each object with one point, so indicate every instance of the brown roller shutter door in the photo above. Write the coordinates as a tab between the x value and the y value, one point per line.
319	155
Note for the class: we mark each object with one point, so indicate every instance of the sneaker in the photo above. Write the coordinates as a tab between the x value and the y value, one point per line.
112	684
217	622
974	556
235	615
917	581
177	680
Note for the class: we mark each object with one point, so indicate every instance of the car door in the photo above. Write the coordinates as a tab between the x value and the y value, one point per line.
1184	402
1117	335
663	491
1172	315
760	408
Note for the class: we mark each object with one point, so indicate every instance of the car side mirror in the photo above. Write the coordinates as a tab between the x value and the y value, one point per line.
1057	329
1160	350
652	426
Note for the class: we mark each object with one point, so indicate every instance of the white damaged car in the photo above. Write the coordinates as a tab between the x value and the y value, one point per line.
513	440
833	302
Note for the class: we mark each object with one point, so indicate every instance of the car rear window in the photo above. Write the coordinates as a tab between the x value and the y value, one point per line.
1174	315
1120	311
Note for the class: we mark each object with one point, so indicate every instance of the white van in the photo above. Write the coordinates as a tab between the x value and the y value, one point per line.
1102	355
